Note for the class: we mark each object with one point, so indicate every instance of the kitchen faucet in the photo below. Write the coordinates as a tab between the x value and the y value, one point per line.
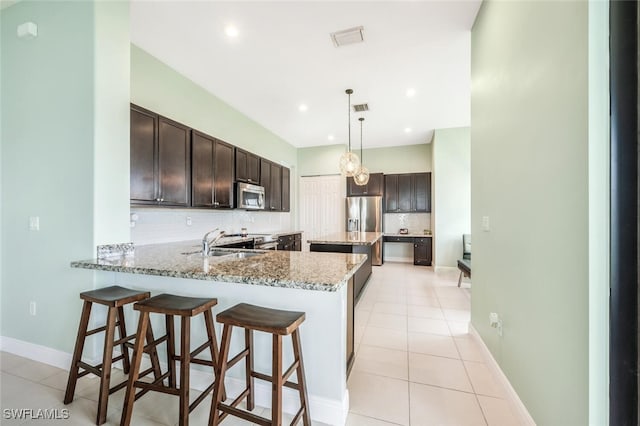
206	244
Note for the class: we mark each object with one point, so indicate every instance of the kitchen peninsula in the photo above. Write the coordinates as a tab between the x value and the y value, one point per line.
369	243
320	284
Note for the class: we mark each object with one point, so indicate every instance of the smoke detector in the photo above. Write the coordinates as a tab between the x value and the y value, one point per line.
350	36
361	107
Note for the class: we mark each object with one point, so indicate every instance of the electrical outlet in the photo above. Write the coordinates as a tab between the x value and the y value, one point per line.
32	308
496	322
189	222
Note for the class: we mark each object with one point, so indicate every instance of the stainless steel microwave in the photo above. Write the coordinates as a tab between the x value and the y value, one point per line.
250	197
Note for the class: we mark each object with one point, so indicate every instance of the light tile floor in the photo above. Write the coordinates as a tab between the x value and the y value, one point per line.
415	362
415	365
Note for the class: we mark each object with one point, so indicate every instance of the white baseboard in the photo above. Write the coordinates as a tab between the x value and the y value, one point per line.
36	352
514	400
325	410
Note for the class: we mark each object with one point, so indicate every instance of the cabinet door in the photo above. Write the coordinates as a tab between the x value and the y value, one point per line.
174	163
276	187
241	165
354	190
405	193
265	181
223	171
253	168
144	125
390	193
375	186
201	170
422	251
422	192
286	189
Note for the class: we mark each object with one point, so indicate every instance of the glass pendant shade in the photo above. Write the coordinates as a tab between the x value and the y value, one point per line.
361	177
349	164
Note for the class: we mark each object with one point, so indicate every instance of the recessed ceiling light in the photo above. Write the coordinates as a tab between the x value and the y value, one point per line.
303	107
331	137
411	93
231	31
407	129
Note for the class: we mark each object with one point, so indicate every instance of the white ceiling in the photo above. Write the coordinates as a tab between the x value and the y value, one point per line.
284	56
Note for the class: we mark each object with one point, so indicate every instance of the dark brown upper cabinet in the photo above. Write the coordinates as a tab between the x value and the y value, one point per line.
375	186
212	172
286	189
247	167
407	193
271	179
160	160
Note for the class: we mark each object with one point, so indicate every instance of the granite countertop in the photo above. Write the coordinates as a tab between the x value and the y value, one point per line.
410	234
348	238
289	269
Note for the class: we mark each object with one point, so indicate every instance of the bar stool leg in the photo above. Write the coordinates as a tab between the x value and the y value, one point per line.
214	415
248	342
77	352
302	385
153	353
122	330
171	350
185	360
107	357
138	349
276	383
213	347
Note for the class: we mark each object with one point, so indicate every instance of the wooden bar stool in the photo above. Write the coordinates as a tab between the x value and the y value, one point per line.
185	307
278	323
114	298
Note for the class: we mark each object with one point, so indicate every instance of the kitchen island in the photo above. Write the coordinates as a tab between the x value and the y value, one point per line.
369	243
320	284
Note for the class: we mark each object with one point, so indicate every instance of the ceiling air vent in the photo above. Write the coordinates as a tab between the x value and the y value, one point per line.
361	107
350	36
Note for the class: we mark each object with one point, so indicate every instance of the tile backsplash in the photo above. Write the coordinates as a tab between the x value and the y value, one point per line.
151	225
415	222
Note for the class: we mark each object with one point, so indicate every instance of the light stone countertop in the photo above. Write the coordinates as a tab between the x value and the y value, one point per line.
348	238
410	234
289	269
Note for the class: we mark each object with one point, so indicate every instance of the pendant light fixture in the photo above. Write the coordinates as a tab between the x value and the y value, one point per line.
361	177
349	162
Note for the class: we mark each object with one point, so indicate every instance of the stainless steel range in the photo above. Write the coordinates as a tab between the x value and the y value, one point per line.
260	241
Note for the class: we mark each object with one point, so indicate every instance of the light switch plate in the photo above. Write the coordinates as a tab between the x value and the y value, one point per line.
485	223
34	223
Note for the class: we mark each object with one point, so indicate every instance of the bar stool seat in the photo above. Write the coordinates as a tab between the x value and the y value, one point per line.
171	305
278	323
114	298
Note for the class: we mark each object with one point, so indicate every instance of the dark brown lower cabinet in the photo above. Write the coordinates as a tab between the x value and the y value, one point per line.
350	325
422	251
363	273
290	242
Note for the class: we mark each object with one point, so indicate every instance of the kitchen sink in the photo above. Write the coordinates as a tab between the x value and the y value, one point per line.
226	253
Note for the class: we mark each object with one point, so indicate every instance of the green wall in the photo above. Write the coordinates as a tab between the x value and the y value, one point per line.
531	147
451	195
161	89
51	142
323	160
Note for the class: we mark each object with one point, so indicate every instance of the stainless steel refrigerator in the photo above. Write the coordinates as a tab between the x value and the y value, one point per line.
364	214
